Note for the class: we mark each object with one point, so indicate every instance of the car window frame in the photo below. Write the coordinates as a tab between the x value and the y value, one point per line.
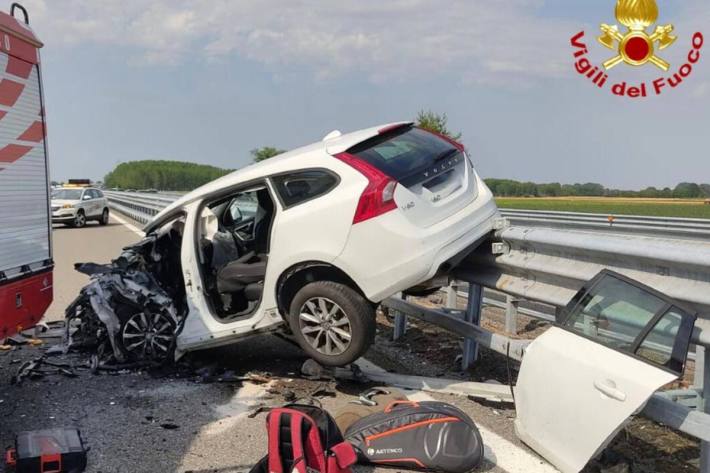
679	351
275	186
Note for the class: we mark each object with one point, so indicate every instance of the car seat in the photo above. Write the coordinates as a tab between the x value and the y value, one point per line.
247	272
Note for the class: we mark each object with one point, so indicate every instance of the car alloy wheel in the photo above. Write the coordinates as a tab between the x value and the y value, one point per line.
79	220
148	336
325	326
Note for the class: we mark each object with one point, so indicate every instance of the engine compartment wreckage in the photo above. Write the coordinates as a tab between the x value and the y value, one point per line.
133	308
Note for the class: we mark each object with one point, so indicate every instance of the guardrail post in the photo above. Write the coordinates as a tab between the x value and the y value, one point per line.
698	381
451	296
511	314
472	316
702	376
400	322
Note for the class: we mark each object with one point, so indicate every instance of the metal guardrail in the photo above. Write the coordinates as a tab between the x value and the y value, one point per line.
139	206
550	265
632	224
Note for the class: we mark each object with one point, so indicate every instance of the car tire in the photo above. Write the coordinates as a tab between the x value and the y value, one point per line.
79	219
104	217
322	333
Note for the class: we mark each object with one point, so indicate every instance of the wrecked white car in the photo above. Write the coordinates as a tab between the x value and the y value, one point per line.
307	242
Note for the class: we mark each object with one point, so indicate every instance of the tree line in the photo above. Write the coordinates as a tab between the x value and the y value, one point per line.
162	175
512	188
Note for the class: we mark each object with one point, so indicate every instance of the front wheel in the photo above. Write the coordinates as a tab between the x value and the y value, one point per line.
104	217
333	324
79	219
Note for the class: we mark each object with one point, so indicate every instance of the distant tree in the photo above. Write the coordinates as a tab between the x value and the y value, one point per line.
650	192
550	190
705	189
687	190
265	152
435	122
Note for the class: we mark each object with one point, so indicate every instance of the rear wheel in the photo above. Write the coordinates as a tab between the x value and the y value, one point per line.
333	323
104	217
79	219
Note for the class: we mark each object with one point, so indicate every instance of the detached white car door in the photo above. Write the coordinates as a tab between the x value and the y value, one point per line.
616	343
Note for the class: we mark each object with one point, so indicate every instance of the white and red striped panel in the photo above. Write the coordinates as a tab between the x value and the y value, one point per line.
24	219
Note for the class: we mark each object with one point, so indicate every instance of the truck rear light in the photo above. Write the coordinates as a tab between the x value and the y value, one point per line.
378	196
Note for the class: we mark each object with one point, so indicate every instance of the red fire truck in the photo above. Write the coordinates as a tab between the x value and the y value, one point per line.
25	230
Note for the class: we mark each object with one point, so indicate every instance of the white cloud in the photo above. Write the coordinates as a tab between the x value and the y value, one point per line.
480	41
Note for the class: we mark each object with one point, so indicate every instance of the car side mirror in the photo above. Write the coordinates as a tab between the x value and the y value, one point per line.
87	197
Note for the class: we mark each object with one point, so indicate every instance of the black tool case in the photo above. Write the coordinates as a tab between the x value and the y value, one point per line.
426	435
48	451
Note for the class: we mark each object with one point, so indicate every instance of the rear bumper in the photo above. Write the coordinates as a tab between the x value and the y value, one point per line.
388	254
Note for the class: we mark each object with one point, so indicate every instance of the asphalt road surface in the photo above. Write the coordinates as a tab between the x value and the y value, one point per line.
184	422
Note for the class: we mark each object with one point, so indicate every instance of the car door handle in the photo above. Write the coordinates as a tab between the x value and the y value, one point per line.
608	388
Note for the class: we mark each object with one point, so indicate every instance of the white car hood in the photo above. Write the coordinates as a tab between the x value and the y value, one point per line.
61	202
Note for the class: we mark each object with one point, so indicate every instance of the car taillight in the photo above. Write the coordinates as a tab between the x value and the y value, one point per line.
378	196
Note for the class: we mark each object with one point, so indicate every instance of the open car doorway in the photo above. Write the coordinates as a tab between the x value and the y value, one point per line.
234	241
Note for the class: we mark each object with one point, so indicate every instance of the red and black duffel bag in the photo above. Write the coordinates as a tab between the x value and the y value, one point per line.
304	439
425	435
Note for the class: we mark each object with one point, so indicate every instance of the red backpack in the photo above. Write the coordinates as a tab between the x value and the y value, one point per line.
304	439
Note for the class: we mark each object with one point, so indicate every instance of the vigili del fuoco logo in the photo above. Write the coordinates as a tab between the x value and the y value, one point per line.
635	44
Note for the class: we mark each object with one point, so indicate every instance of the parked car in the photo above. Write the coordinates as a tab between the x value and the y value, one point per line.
309	241
76	205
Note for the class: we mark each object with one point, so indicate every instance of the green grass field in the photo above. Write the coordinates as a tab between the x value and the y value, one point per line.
611	205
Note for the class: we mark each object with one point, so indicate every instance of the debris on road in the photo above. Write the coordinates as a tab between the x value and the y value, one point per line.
41	367
489	391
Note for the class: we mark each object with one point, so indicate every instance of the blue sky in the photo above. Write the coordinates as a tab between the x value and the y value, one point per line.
206	81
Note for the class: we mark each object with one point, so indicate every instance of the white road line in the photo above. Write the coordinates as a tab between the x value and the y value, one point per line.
128	225
497	450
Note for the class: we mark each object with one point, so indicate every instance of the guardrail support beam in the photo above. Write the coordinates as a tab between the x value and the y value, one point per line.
511	315
472	316
400	321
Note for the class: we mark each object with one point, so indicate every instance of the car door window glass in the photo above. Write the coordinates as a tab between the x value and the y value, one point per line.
657	346
614	313
299	187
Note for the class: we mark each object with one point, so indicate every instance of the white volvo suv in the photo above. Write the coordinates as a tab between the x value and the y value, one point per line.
309	241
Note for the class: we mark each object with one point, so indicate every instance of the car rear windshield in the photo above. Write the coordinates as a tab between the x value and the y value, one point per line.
404	151
67	194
